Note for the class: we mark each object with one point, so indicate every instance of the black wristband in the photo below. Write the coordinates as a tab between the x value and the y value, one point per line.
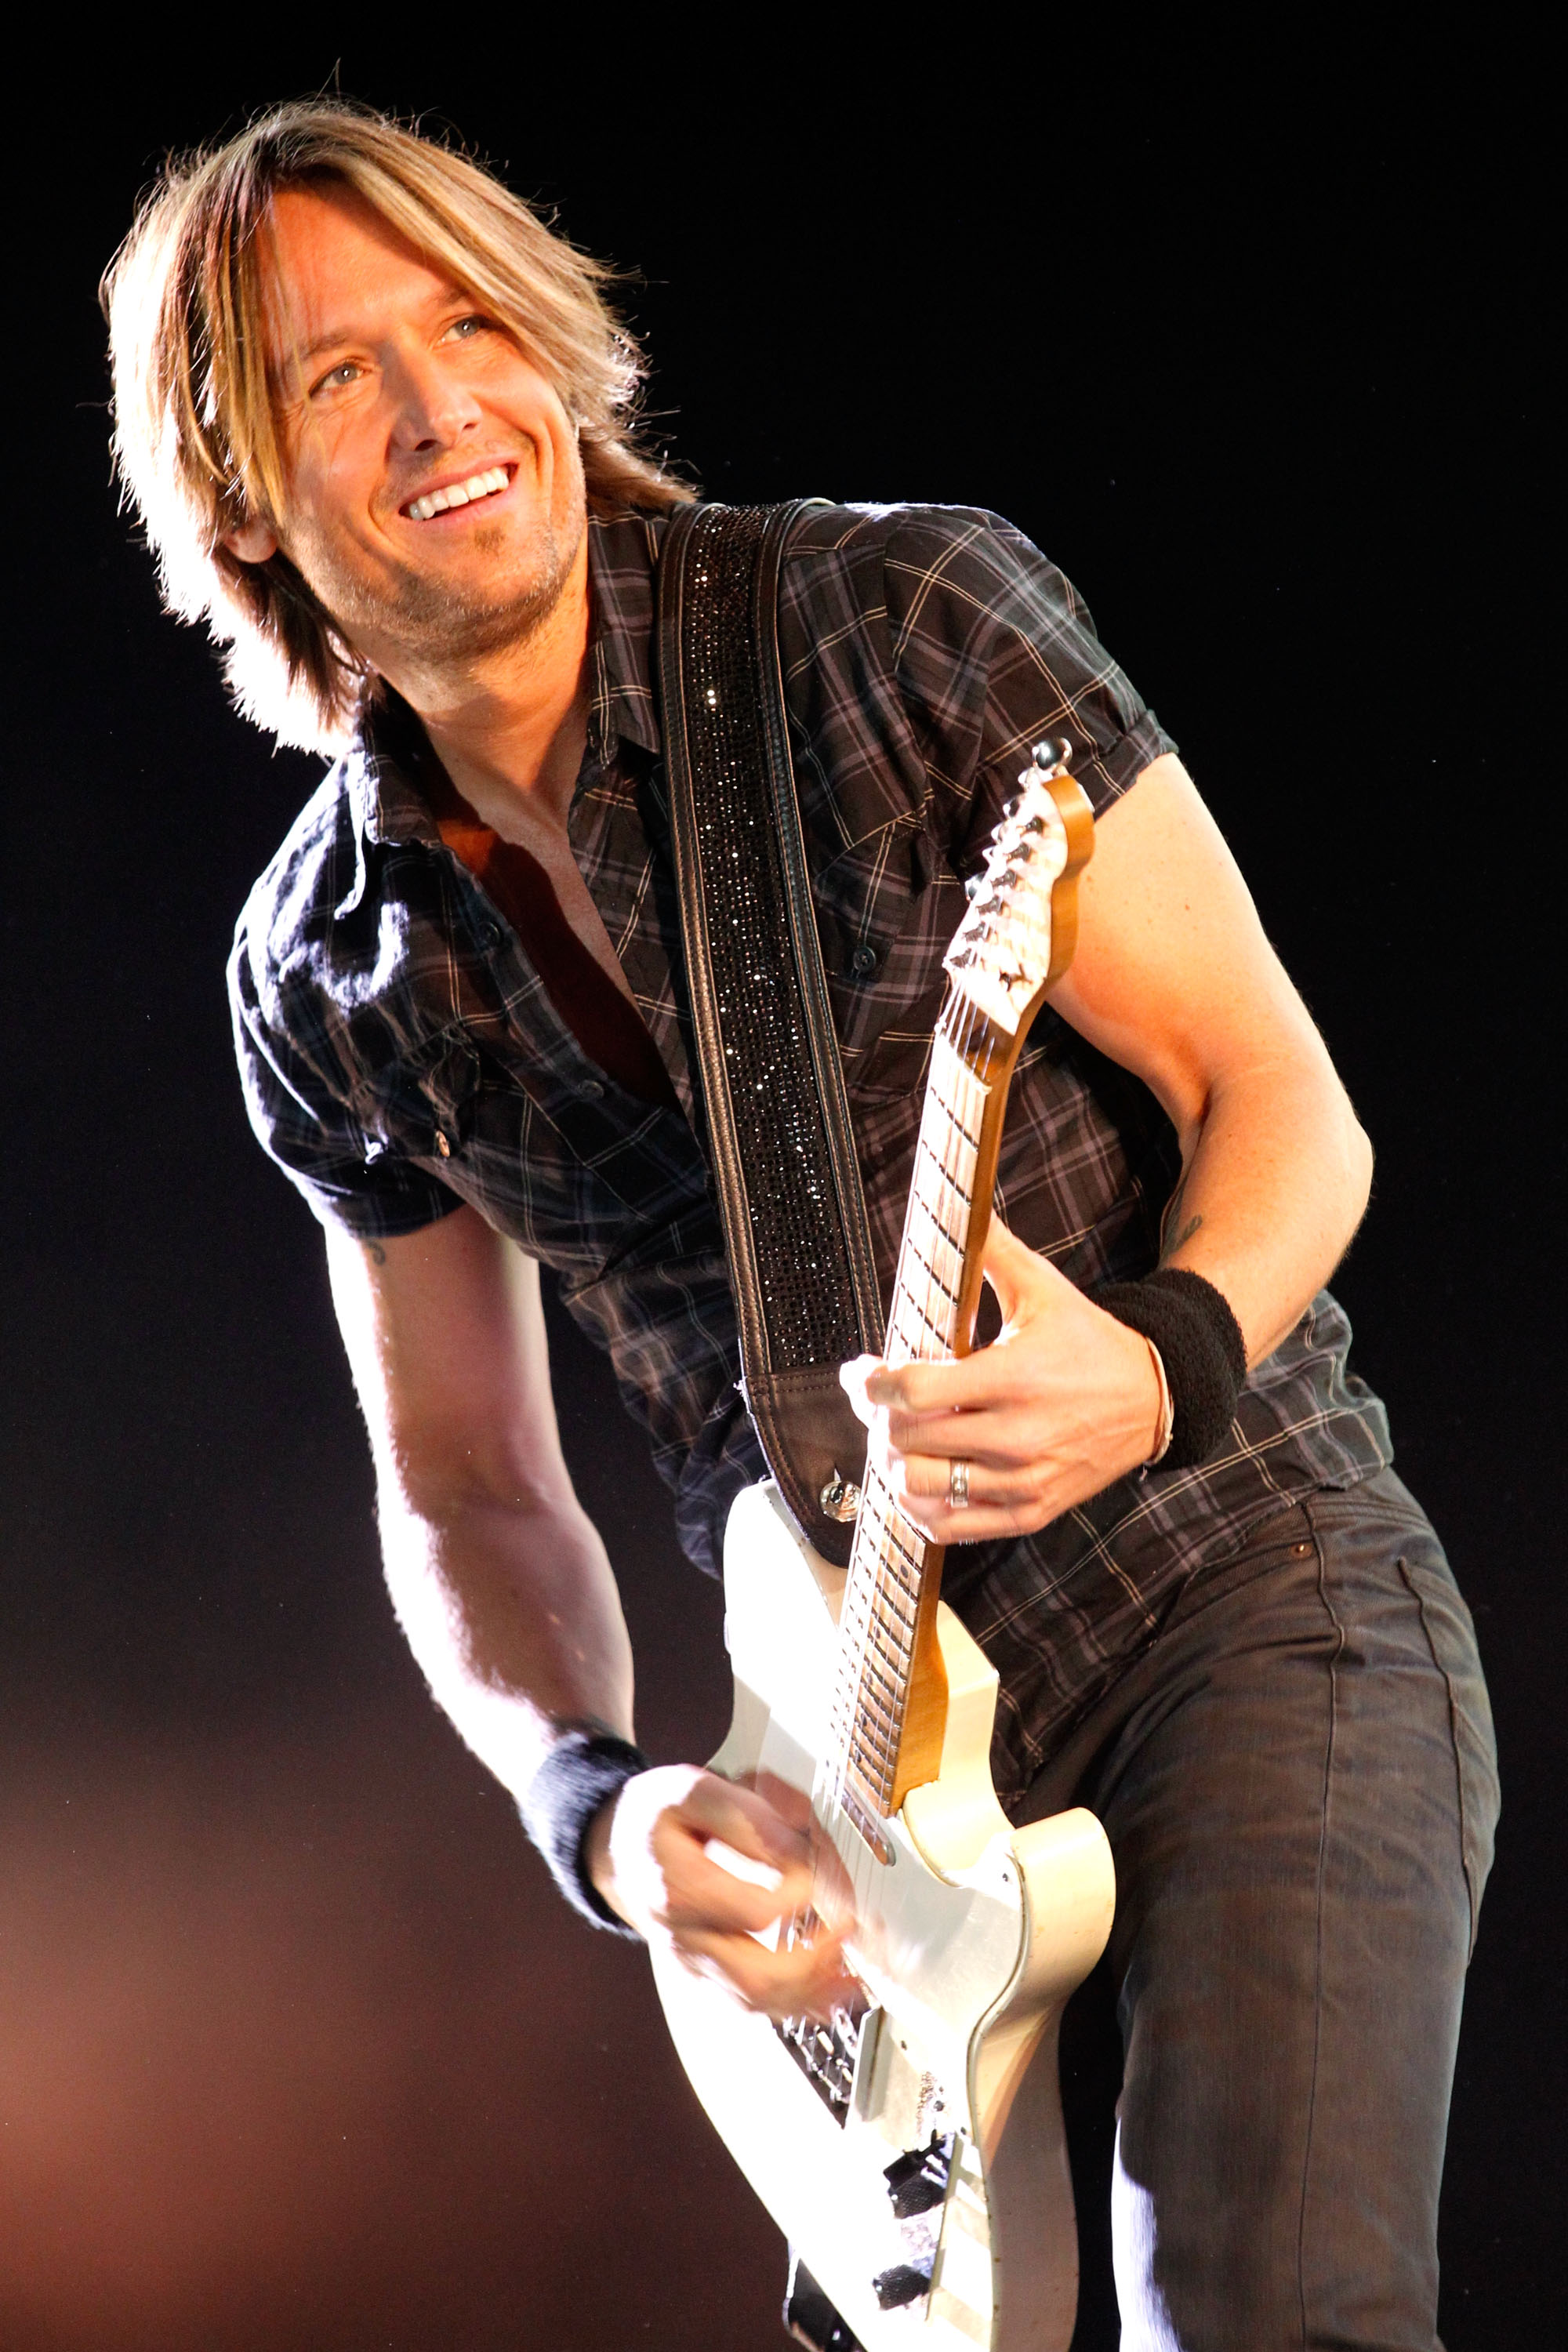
585	1767
1201	1347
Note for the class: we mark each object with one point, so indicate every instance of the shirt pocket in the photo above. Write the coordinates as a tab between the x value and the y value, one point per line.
893	1065
885	919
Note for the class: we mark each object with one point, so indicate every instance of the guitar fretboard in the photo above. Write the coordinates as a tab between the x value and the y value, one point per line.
882	1592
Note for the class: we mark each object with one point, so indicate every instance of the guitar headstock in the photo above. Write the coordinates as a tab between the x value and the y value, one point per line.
1022	926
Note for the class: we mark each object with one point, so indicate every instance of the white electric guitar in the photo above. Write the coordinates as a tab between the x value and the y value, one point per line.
913	2151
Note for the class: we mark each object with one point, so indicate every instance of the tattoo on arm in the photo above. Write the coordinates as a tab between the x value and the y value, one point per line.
1169	1248
1174	1235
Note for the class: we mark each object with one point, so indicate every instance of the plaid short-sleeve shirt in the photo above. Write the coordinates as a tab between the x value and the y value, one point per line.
401	1055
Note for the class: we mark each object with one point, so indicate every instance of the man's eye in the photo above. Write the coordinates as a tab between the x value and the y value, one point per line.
335	378
463	329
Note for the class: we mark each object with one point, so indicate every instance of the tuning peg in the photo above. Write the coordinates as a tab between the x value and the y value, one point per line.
974	886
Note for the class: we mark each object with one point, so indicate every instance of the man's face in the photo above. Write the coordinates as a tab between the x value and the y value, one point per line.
393	395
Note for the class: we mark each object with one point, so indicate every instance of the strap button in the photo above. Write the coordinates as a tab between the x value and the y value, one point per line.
840	1498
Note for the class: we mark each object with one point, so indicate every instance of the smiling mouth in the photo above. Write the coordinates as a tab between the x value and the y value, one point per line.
478	487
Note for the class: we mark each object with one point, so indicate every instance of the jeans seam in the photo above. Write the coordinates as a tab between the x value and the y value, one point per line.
1318	1955
1453	1699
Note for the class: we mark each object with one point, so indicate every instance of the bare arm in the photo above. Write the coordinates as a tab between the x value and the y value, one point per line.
1174	980
504	1590
499	1577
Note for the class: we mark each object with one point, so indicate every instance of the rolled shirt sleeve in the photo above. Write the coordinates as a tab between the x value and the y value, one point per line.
295	1059
995	649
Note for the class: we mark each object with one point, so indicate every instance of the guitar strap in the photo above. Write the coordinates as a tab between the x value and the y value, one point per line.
780	1143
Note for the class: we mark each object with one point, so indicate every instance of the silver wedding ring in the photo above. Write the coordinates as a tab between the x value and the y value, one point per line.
958	1487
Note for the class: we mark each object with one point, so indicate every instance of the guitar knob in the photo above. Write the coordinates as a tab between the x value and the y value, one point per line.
903	2283
917	2180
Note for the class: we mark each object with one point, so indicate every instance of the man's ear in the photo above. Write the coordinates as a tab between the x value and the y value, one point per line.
253	543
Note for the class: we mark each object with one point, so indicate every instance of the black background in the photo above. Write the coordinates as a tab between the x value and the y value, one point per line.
294	2050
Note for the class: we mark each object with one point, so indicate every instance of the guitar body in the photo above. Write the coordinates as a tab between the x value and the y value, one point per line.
971	1936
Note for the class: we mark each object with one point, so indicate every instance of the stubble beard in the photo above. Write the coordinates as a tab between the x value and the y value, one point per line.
438	625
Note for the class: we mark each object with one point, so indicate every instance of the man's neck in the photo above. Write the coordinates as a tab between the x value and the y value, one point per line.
508	726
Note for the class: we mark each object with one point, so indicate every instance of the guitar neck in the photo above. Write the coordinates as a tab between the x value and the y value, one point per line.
889	1700
890	1696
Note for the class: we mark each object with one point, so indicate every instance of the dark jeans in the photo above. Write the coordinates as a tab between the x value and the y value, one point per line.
1299	1783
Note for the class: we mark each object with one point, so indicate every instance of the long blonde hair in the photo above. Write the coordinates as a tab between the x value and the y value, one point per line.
196	437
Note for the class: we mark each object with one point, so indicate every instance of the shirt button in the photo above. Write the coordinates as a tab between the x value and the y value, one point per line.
863	962
488	935
592	1089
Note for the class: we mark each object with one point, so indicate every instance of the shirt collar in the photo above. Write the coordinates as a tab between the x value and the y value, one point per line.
381	767
623	560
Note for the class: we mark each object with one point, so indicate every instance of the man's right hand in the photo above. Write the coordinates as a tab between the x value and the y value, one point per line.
657	1856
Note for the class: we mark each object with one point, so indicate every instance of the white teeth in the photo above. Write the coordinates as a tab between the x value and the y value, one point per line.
461	493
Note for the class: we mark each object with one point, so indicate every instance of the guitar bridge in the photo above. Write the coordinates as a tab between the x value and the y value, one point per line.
826	2055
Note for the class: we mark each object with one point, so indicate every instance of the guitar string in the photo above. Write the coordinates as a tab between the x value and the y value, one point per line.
873	1569
942	1192
954	1104
869	1594
875	1772
952	1099
933	1336
885	1578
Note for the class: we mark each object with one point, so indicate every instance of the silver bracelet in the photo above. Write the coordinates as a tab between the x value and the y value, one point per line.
1167	1410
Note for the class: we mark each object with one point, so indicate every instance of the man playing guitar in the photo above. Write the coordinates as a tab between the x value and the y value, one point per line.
377	421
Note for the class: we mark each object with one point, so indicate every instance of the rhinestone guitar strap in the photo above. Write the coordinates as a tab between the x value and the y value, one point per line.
780	1143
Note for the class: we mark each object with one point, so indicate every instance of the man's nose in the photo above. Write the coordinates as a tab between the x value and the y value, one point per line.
434	408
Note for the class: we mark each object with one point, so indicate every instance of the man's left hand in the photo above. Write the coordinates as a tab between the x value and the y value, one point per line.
1065	1401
